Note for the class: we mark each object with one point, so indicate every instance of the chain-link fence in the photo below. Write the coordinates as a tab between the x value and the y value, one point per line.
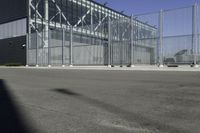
164	37
120	42
67	47
177	34
133	42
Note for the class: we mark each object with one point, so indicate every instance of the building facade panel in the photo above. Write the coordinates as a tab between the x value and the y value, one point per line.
11	10
13	29
12	50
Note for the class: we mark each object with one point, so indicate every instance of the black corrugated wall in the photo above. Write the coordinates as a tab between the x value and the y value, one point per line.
12	51
12	10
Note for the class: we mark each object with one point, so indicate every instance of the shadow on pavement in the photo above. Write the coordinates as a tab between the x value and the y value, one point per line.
143	121
67	92
11	121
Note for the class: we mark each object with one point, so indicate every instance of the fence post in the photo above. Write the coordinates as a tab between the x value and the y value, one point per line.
27	49
131	43
63	44
194	34
37	49
161	38
49	48
28	37
71	47
198	35
109	42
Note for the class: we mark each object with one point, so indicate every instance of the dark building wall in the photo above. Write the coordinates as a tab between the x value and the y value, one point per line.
12	9
12	51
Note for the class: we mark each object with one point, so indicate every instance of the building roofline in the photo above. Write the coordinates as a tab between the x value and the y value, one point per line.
14	19
108	8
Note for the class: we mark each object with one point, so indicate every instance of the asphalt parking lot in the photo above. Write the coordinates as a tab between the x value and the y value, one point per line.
98	101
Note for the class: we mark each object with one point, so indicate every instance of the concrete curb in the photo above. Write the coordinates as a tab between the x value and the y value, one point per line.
135	68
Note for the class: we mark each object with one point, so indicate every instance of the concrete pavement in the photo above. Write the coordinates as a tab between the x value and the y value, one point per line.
91	101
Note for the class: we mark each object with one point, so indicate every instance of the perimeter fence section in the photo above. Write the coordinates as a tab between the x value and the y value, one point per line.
90	44
133	42
164	37
177	34
68	47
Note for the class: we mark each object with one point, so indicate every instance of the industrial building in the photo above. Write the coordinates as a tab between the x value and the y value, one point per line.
13	30
75	32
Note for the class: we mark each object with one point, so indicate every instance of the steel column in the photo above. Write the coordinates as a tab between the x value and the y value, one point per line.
71	46
109	42
36	49
49	49
63	44
131	43
27	50
28	38
194	34
46	28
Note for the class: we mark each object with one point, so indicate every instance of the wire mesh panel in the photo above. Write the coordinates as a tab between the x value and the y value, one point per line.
178	36
37	51
42	50
59	47
120	42
89	48
88	51
55	47
66	47
174	34
32	61
146	32
177	49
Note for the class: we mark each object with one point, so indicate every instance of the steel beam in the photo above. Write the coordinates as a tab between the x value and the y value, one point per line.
100	22
61	13
82	18
46	28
